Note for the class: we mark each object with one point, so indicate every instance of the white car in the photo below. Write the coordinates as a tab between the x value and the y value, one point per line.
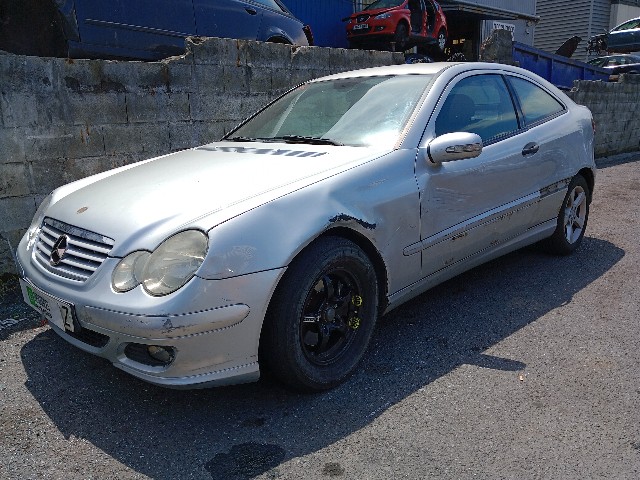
278	247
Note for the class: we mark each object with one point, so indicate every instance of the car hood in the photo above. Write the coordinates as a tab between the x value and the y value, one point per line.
139	205
374	12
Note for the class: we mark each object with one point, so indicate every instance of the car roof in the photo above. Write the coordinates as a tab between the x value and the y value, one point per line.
435	68
617	55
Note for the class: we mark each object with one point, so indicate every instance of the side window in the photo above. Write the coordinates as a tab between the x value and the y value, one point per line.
480	104
536	103
272	4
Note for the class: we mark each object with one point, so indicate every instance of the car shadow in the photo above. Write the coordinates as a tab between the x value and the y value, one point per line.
607	162
242	431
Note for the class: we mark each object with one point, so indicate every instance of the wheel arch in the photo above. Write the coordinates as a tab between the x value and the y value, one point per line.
279	39
405	22
366	245
372	252
588	175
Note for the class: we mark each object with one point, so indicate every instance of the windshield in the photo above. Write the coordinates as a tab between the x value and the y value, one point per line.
598	62
363	111
384	4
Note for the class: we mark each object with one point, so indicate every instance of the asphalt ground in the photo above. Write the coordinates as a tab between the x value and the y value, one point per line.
524	368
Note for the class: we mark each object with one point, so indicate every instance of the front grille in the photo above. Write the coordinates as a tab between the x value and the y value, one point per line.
84	254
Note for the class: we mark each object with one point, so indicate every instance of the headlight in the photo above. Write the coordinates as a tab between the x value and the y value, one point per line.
382	16
165	270
34	228
128	274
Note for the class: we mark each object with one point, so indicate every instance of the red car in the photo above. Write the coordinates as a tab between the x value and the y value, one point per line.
399	24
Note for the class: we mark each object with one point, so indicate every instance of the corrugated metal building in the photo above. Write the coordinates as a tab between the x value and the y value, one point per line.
622	10
562	19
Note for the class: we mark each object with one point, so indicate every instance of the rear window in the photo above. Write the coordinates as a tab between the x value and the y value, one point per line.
537	105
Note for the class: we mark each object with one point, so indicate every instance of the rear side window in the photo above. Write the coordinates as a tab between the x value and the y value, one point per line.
536	103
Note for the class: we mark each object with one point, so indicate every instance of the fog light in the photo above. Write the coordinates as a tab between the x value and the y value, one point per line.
162	354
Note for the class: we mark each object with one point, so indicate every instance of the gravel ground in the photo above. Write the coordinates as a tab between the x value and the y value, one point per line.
524	368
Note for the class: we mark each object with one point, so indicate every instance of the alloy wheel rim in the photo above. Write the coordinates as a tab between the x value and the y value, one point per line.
575	214
330	321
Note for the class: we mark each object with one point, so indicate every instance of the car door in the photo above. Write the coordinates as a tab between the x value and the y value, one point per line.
228	18
132	27
545	130
471	206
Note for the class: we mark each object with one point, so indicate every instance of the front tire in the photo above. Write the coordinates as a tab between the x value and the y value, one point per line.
401	38
321	317
572	219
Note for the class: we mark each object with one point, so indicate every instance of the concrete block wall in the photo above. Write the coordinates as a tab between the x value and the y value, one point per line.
61	119
615	108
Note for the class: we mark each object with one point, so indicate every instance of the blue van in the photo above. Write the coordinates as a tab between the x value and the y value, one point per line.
140	29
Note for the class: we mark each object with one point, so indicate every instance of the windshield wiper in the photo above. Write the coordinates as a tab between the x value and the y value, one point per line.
242	139
309	140
288	139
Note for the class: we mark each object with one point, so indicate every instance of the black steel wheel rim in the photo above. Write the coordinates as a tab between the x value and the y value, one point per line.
330	316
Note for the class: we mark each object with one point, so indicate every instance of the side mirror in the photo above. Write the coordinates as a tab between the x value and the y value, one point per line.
453	146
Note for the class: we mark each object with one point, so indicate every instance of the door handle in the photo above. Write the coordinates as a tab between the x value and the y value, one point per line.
530	149
251	11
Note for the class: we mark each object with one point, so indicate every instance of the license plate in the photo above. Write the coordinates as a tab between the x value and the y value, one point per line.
361	26
56	311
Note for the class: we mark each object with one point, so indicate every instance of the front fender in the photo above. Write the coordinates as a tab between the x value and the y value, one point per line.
378	200
273	31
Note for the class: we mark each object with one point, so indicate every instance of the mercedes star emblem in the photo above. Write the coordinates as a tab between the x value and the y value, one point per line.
58	250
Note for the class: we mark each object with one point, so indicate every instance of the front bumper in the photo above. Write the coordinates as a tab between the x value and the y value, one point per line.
374	29
211	326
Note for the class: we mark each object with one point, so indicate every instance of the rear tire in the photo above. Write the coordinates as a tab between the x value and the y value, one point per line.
321	317
572	219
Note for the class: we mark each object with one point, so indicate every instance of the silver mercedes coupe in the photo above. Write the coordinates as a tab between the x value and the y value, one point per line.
277	248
